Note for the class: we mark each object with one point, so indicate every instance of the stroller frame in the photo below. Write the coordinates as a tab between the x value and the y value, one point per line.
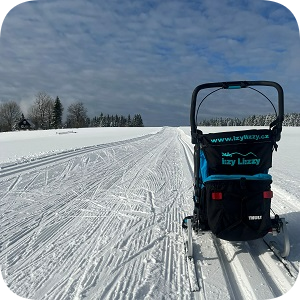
232	188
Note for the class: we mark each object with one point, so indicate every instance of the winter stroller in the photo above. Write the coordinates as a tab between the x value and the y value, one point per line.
232	187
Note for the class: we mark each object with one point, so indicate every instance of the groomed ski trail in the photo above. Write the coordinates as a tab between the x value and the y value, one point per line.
106	224
102	224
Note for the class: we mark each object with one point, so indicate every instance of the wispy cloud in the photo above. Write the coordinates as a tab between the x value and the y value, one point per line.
145	56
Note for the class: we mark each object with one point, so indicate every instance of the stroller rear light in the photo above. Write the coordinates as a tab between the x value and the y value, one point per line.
216	196
268	194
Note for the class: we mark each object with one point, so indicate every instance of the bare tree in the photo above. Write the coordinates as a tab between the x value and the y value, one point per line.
41	111
77	115
10	113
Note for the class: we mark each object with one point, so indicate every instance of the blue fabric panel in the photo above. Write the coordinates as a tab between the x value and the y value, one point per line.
260	176
203	166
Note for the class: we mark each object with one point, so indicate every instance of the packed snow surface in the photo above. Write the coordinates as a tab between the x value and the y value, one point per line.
96	214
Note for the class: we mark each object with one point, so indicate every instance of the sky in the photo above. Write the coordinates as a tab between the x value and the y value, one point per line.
128	57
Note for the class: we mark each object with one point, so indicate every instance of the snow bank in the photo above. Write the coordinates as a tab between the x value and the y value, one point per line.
20	146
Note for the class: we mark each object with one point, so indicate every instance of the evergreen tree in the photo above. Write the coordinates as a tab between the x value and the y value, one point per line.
128	121
122	121
115	121
57	114
100	120
290	119
137	121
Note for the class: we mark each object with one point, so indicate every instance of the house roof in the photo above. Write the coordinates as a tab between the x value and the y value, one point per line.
26	122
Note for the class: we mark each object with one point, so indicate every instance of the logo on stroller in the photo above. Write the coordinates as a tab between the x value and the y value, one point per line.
240	160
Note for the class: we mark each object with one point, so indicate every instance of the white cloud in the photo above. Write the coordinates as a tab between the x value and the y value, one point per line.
122	57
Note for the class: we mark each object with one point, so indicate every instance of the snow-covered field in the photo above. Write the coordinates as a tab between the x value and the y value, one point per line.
96	214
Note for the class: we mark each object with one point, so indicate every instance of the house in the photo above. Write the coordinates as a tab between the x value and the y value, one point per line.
25	124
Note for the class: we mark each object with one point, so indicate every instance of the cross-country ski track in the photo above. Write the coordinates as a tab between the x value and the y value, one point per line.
104	222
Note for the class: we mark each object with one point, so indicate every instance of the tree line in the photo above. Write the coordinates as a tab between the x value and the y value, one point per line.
47	113
290	119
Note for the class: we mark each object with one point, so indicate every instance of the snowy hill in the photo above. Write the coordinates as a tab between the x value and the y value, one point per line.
96	214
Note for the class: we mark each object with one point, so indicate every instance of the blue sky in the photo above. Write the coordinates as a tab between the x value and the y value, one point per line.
127	57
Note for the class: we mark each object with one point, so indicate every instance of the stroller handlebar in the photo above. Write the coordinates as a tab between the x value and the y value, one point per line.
276	124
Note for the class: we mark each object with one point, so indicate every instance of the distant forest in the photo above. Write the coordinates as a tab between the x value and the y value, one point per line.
47	113
290	119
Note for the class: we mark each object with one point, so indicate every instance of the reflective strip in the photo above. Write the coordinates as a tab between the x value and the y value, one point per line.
260	176
216	196
268	194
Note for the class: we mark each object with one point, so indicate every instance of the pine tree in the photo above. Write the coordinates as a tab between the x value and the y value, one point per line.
57	114
137	121
122	121
117	121
101	120
128	121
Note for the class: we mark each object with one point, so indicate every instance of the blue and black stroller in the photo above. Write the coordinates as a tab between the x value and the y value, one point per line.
232	186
